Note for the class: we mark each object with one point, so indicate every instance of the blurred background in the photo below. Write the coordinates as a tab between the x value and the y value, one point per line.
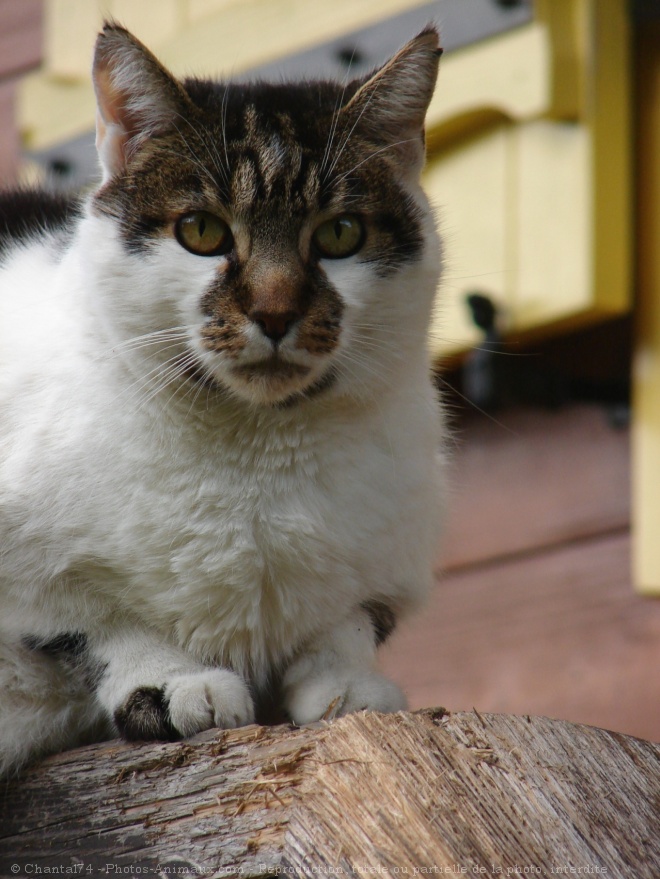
544	167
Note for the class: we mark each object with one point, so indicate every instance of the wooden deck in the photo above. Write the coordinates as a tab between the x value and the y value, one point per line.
535	612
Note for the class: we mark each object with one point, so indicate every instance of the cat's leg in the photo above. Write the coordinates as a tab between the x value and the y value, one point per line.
336	673
46	701
153	690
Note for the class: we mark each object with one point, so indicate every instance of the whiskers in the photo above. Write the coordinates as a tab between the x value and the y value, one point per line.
372	155
171	372
157	338
155	370
219	163
377	351
334	123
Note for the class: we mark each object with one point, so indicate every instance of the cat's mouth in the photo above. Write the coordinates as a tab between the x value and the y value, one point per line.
273	367
272	381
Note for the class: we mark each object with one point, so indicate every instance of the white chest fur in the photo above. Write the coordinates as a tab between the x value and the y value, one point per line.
240	534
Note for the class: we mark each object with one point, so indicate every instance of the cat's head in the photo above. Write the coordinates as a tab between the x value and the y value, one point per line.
277	232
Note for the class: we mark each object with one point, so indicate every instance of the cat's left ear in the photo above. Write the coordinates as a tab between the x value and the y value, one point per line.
137	98
392	102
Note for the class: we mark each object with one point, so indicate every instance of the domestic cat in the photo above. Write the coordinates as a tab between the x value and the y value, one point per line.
220	442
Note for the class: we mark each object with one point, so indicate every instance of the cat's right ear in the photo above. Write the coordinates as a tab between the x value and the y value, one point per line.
136	97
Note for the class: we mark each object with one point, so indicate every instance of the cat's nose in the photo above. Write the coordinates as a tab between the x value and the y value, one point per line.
275	324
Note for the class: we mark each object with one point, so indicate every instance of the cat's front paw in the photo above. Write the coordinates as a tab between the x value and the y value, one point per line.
334	692
185	705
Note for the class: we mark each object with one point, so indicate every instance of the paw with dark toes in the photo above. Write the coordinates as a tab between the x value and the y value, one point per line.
144	716
185	705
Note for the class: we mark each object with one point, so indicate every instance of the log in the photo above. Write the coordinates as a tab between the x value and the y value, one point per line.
428	793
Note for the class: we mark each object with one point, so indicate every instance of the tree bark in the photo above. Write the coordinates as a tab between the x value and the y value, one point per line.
429	793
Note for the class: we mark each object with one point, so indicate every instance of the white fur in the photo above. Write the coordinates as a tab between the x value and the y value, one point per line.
217	533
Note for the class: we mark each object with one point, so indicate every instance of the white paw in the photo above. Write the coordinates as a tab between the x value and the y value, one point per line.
201	700
332	693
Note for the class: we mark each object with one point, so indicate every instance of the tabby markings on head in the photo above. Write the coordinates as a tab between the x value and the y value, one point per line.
273	181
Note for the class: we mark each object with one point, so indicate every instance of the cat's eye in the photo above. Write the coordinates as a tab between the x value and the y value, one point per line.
204	234
339	237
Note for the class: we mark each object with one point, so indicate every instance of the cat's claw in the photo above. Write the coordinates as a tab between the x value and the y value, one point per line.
336	692
185	705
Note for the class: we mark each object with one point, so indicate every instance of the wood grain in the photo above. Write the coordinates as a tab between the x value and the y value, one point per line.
423	793
212	802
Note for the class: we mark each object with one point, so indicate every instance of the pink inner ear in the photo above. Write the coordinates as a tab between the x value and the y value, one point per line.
108	97
113	123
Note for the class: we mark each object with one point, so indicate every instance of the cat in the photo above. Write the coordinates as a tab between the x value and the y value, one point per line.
221	467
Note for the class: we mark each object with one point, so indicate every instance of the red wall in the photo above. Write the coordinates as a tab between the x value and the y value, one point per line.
20	51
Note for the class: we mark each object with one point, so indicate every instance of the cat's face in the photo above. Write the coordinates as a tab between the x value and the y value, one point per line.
279	221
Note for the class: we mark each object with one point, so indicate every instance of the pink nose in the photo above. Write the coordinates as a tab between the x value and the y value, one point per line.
276	324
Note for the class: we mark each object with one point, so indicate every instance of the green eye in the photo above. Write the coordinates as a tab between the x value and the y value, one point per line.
340	237
204	234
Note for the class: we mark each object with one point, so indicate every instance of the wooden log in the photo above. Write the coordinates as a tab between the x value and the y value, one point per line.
429	793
